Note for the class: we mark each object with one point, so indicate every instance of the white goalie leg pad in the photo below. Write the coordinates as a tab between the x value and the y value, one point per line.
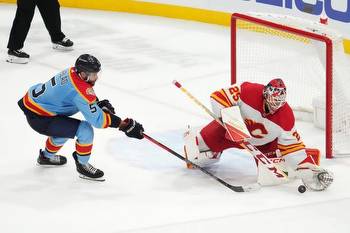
196	149
267	178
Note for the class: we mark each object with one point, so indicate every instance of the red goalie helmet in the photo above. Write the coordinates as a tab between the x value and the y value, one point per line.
275	93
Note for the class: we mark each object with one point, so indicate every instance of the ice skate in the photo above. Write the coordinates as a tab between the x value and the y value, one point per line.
65	44
56	160
87	171
17	56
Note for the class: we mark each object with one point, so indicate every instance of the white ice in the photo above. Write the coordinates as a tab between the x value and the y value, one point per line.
147	189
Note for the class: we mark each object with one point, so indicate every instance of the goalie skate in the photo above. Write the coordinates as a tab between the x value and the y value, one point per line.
189	165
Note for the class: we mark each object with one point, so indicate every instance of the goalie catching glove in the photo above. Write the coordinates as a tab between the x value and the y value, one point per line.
131	128
316	179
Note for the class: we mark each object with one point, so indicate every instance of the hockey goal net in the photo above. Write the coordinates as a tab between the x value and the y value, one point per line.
308	56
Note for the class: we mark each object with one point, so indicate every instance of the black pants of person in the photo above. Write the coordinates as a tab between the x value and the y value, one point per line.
55	126
50	12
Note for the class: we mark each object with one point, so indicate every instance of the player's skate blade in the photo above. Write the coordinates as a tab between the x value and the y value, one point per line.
87	171
49	166
100	179
64	45
17	60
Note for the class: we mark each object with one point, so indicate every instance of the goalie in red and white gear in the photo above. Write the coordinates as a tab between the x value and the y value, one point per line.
270	122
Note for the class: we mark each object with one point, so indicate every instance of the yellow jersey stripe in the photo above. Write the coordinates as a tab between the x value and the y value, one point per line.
286	152
220	100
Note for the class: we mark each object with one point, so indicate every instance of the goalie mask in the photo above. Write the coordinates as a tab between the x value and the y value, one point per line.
274	94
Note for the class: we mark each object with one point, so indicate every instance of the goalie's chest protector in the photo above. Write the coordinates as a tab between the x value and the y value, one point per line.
263	129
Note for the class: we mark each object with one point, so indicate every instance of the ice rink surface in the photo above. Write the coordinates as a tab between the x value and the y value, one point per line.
146	189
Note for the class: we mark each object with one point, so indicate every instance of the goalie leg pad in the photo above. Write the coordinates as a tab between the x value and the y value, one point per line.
266	177
197	151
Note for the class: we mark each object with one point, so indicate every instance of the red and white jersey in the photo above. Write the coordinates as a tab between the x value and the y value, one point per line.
268	132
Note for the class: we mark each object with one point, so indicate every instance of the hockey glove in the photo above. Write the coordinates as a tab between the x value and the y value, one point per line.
316	179
131	128
106	106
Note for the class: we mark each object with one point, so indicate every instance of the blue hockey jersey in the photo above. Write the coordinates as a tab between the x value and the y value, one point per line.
66	94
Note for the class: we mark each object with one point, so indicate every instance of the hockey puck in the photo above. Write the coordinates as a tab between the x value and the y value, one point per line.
301	189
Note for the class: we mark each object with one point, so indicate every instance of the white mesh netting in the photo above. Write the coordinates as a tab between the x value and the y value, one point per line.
264	53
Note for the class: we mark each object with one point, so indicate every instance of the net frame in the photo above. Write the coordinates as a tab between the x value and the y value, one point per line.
298	32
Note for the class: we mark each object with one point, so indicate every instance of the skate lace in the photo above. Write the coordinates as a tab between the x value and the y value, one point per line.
88	167
55	159
65	40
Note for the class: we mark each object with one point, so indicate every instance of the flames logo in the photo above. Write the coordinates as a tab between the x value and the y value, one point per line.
256	130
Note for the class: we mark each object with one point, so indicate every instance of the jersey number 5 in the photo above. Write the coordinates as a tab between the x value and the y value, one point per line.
93	108
43	88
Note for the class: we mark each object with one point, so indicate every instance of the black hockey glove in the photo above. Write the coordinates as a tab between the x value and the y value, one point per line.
106	106
131	128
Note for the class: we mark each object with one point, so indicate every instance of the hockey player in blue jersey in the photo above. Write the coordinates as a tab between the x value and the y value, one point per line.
48	107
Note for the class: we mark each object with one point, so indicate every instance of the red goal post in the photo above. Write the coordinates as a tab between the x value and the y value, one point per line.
284	27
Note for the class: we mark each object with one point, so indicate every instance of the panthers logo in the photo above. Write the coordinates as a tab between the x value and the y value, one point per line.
257	130
90	91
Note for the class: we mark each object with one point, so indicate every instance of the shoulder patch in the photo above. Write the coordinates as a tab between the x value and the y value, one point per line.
90	91
84	89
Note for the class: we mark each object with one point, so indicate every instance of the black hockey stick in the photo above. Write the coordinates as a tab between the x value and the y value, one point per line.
240	188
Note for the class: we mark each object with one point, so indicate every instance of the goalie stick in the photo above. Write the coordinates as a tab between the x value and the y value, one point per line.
240	137
238	188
